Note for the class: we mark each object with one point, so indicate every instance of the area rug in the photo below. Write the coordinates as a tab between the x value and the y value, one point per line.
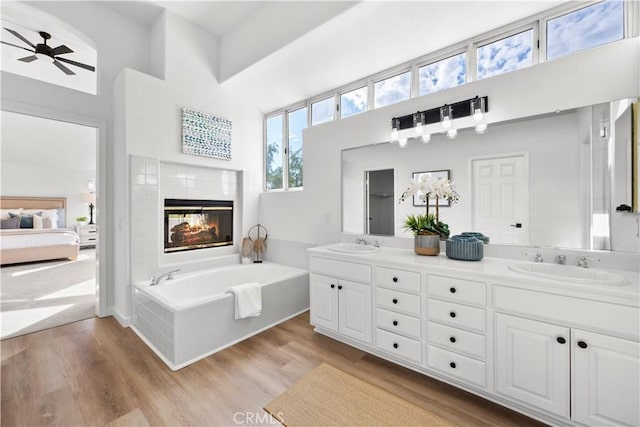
328	396
41	295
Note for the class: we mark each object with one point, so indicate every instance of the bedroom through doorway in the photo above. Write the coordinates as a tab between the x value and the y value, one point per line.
49	206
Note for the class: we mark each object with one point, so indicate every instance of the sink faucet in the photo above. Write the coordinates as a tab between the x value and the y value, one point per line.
169	276
582	261
362	241
538	255
561	259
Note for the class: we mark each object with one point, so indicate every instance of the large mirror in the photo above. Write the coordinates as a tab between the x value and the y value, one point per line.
547	181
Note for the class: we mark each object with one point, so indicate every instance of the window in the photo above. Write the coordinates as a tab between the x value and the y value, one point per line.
585	28
353	102
392	90
297	121
449	72
505	55
322	111
275	150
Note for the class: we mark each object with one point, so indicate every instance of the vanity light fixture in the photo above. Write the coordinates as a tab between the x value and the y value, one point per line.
421	124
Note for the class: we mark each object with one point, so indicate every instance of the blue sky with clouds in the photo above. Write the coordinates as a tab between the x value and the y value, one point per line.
449	72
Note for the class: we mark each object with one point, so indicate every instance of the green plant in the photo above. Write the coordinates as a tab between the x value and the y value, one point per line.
426	224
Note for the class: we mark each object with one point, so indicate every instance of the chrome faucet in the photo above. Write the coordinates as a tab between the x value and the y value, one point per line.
561	259
362	241
582	261
169	276
538	255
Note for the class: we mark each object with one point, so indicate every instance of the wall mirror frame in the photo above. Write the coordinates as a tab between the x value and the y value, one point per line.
570	177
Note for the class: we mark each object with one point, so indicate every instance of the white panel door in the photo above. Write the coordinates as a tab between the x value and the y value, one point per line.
501	199
606	378
355	310
324	301
532	363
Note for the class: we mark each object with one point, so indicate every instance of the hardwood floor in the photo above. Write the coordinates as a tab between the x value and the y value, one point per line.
95	372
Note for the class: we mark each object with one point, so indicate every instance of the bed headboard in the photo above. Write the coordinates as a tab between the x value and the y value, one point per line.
60	203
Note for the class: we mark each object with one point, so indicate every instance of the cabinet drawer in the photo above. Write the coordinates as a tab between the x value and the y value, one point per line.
398	301
399	345
341	269
398	279
456	365
456	339
456	314
620	319
396	322
450	288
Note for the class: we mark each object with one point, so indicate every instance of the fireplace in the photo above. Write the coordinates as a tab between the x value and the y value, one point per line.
197	224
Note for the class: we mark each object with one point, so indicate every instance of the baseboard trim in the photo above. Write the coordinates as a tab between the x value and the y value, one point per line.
125	321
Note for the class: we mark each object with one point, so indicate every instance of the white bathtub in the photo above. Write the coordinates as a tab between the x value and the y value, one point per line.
191	317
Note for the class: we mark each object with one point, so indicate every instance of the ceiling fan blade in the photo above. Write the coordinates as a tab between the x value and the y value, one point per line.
67	71
77	64
28	58
15	45
20	36
61	50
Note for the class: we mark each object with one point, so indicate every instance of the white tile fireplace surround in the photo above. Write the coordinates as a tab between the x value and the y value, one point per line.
152	181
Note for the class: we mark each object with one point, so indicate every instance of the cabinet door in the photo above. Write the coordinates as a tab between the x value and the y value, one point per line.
324	301
532	363
355	310
606	373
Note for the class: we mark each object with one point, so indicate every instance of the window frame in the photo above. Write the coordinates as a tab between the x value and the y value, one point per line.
389	74
265	145
318	98
350	88
441	56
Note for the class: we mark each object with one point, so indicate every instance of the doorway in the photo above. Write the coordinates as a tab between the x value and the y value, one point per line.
379	204
500	205
46	158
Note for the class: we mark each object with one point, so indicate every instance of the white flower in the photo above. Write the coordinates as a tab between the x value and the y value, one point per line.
439	188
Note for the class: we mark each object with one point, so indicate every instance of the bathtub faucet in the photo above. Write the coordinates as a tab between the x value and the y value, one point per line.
160	278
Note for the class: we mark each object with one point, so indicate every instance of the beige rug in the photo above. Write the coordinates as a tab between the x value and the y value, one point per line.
328	396
42	295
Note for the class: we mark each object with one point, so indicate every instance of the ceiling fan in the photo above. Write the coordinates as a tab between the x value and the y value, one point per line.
44	51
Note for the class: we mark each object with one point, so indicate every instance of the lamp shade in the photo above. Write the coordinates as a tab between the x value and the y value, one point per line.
89	197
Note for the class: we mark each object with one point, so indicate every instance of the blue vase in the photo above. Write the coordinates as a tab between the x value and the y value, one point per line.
465	248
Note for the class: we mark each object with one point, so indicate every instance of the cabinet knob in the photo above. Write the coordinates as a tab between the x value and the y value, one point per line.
561	340
452	290
395	345
452	339
582	344
453	365
395	301
339	286
333	286
395	323
452	314
395	280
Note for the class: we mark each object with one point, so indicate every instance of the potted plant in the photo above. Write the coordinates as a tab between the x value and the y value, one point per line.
82	220
427	228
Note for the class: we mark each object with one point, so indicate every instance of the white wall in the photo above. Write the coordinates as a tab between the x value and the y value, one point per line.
313	215
148	124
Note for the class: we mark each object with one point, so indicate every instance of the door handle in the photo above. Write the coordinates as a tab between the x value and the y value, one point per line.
516	225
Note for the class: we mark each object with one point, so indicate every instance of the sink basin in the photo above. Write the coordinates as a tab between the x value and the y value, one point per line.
567	273
352	248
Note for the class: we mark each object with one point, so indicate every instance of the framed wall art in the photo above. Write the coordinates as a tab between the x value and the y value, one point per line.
205	135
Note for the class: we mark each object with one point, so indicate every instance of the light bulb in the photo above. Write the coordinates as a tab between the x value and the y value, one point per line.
446	123
402	142
394	135
481	128
419	129
452	133
477	115
426	137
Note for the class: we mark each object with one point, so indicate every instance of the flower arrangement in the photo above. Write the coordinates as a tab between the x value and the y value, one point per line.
429	224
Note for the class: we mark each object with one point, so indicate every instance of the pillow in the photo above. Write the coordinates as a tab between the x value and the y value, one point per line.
4	213
48	223
6	224
37	221
52	213
26	221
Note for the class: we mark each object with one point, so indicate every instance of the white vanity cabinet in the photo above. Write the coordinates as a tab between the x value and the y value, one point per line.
341	305
565	354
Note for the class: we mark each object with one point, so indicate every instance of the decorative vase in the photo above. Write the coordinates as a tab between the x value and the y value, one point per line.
427	244
465	248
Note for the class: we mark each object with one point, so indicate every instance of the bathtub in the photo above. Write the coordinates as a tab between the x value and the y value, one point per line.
191	317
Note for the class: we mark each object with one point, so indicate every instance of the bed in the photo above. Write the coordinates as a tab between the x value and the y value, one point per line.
39	244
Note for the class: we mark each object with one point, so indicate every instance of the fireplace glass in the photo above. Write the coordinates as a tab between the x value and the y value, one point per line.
197	224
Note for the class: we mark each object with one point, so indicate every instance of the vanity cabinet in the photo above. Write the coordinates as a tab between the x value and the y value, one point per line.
564	354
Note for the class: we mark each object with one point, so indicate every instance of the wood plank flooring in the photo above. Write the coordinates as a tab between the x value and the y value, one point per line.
95	372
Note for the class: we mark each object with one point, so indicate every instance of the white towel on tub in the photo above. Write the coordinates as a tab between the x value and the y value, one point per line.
248	298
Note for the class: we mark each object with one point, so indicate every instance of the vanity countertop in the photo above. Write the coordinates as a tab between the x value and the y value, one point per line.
495	270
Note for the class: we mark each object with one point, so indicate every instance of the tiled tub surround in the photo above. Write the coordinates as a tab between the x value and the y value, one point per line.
190	317
562	352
